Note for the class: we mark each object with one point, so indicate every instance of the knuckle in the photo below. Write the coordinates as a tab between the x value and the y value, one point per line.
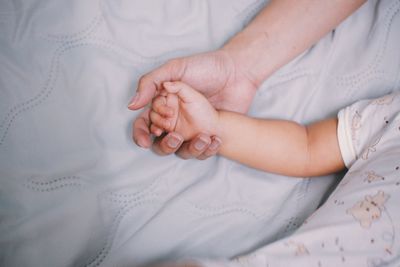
174	66
142	80
173	62
152	116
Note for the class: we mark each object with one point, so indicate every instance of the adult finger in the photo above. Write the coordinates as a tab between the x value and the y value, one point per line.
150	83
184	91
141	132
212	149
167	144
195	147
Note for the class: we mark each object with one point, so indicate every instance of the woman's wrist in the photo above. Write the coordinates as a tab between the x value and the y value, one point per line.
244	52
282	31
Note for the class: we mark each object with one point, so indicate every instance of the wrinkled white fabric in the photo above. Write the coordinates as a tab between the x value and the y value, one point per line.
76	191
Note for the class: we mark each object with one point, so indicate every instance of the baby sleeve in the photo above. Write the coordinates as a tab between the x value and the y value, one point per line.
362	123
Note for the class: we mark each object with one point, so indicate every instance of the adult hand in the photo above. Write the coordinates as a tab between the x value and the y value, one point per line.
216	76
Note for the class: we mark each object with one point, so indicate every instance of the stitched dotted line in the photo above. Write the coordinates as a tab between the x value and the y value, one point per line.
54	69
53	188
78	35
292	223
95	22
153	184
361	84
218	211
138	58
361	77
383	44
21	107
41	93
66	181
24	106
138	200
47	88
35	101
134	57
107	44
135	199
102	254
287	77
300	71
55	180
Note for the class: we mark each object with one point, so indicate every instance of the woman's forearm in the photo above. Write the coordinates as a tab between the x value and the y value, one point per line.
283	30
280	146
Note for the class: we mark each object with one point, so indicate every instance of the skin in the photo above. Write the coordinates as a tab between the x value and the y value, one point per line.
230	76
278	146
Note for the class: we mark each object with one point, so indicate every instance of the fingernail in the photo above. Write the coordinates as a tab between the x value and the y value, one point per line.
134	100
200	145
214	145
142	143
173	142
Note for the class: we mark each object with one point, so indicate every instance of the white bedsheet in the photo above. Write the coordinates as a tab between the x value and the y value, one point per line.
76	191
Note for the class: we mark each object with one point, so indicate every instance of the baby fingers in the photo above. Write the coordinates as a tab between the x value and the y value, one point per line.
159	105
160	122
155	130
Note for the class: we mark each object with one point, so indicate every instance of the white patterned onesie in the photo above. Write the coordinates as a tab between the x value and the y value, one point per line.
358	225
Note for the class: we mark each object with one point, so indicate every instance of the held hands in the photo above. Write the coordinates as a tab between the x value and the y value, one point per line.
181	109
213	74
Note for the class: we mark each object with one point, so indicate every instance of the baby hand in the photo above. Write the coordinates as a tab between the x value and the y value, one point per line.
164	113
182	109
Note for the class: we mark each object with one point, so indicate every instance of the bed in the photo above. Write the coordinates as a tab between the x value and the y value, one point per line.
76	191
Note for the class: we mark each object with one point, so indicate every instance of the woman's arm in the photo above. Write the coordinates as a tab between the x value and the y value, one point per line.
279	146
283	30
231	75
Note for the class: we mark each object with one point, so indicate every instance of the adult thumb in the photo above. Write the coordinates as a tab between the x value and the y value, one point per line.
151	82
184	91
144	93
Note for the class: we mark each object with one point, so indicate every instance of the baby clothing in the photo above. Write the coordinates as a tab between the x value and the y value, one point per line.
363	124
358	224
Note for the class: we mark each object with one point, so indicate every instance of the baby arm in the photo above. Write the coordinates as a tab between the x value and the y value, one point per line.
278	146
